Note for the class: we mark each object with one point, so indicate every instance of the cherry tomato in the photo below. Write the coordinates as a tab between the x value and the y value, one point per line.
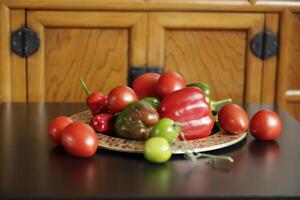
265	125
119	97
79	139
233	119
56	126
144	85
165	128
168	83
157	149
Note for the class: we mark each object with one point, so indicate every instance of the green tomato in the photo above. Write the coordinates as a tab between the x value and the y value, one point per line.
165	128
157	150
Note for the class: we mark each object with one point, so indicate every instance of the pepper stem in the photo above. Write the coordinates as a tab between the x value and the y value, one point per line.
215	104
177	127
84	86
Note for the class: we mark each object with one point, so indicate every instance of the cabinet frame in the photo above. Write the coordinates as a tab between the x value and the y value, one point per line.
12	67
39	20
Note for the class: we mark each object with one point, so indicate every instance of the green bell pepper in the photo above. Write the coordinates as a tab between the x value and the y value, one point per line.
213	104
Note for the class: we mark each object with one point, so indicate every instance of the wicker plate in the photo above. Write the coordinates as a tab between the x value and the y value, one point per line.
213	142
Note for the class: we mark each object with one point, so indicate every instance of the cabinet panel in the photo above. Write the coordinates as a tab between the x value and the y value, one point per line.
100	56
288	93
208	56
211	48
294	69
95	46
293	84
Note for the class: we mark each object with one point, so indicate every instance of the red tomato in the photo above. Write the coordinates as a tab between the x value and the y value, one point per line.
265	125
119	97
144	85
168	83
56	126
233	119
79	139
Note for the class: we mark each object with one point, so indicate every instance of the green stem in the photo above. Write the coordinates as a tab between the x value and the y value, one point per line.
88	93
176	127
192	155
215	104
230	159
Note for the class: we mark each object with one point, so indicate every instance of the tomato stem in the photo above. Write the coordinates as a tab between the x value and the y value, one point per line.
230	159
86	90
193	156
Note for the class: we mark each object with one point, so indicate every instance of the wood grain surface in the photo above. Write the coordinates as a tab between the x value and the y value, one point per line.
157	5
209	47
288	83
293	81
293	107
18	64
284	57
213	57
294	69
98	56
95	46
270	64
5	62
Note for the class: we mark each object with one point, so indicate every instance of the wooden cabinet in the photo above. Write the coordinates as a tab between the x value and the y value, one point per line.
288	84
96	46
205	41
209	47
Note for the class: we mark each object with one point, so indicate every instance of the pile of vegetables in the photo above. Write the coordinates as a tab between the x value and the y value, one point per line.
159	109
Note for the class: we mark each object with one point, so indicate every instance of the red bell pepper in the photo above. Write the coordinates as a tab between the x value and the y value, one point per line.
188	108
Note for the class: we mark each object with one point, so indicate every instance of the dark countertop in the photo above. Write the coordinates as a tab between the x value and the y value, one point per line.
32	167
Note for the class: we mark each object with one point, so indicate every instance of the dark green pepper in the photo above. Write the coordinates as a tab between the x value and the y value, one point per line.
135	121
155	102
213	104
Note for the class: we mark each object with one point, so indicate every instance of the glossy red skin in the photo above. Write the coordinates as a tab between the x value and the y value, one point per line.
79	139
56	126
189	109
103	123
97	103
233	119
265	125
119	97
145	84
168	83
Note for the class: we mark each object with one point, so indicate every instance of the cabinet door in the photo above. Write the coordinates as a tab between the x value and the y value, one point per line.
288	81
209	47
95	46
